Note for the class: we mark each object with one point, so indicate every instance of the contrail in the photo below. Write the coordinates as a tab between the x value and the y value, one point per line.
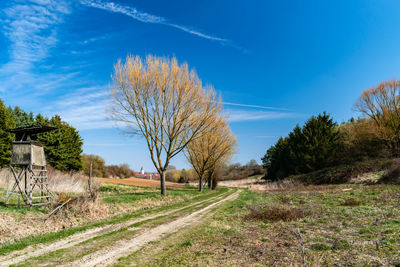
154	19
254	106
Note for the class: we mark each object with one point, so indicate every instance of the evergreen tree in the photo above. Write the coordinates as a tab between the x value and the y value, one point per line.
277	161
6	138
20	117
63	147
320	140
306	149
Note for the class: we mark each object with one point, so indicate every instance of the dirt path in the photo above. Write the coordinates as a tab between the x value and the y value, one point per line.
75	239
109	255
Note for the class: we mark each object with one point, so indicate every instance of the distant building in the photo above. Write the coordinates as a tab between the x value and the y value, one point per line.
147	175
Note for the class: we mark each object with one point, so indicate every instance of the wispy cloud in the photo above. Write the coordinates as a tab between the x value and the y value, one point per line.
30	28
96	39
112	144
246	115
154	19
254	106
85	108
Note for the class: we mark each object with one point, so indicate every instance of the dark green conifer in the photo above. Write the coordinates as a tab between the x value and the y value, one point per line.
6	138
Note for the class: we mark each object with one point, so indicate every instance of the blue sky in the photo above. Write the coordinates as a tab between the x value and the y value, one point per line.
275	63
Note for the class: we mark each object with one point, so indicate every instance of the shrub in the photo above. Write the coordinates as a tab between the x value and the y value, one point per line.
274	214
351	202
119	171
237	171
360	140
320	247
341	245
343	173
98	165
392	175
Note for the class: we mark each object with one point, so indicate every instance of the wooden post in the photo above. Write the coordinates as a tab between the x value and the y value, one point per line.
90	179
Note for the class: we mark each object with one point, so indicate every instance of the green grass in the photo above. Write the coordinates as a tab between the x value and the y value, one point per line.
125	195
17	205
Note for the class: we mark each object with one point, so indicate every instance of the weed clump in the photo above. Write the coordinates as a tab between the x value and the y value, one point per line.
320	247
274	214
341	245
351	202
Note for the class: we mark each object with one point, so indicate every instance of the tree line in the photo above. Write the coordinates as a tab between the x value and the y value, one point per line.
321	142
63	146
100	169
225	171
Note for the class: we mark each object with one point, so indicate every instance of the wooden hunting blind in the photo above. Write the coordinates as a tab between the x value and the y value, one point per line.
27	169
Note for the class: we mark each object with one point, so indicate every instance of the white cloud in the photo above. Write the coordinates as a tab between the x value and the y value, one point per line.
149	18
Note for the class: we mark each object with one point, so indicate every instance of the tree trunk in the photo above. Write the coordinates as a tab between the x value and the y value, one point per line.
201	183
163	187
209	181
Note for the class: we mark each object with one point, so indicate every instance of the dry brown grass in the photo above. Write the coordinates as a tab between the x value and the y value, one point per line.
65	182
274	214
3	177
260	185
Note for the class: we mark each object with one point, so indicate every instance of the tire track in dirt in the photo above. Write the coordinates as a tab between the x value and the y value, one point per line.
110	255
38	250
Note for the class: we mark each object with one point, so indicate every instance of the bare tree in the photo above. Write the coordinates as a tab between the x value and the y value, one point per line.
382	105
211	149
164	102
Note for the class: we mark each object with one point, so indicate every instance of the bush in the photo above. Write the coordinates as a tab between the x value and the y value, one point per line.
343	173
320	247
360	140
98	165
119	171
392	175
351	202
237	171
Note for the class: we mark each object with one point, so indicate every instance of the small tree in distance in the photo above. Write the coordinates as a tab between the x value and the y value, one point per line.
211	150
165	103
